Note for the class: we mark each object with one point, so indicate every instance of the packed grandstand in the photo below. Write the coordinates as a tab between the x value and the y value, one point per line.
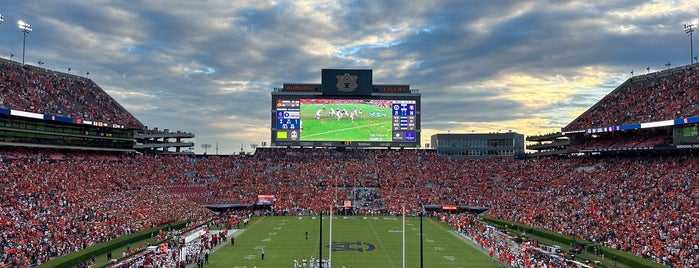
56	201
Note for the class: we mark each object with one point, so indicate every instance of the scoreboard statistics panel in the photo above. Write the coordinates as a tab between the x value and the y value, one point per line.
288	119
334	121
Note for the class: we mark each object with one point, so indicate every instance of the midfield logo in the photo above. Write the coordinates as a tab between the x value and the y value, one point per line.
358	246
346	82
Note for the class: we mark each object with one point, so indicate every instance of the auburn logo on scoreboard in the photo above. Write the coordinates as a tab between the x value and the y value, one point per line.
346	82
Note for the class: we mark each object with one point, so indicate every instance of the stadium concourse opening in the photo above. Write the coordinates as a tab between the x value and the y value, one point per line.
345	110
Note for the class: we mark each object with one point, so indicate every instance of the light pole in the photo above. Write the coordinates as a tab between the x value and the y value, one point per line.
689	29
206	147
25	28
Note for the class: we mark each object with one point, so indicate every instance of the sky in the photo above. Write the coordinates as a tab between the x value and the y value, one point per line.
209	67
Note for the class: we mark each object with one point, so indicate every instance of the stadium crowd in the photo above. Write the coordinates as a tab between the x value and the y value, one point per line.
656	97
178	249
644	205
502	247
51	208
37	90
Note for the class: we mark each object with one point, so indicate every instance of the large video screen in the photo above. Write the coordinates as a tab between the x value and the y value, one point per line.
360	122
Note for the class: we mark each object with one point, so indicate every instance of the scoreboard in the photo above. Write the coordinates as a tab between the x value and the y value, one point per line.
404	121
313	121
288	115
346	110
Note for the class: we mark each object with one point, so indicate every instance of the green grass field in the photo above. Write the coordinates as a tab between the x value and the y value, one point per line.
373	125
358	242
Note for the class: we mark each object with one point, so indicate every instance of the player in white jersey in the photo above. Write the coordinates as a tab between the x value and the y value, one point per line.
319	113
358	112
339	114
353	115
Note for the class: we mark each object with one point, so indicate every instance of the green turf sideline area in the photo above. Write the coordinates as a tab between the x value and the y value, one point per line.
358	241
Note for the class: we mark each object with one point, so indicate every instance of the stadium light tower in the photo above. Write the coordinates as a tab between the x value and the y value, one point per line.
25	28
1	18
206	147
689	29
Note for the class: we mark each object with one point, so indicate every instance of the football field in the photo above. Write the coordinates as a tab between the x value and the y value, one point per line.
357	241
374	123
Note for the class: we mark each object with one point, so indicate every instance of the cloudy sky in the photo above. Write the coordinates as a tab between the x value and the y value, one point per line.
209	67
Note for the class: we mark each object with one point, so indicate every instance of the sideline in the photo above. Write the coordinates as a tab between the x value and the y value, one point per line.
469	241
231	233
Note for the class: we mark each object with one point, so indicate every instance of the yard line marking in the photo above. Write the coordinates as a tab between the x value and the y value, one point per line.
376	235
344	129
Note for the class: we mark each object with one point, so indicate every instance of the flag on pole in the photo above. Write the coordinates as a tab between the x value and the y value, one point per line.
330	251
403	235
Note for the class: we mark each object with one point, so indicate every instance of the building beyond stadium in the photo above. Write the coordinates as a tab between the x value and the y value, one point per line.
510	144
